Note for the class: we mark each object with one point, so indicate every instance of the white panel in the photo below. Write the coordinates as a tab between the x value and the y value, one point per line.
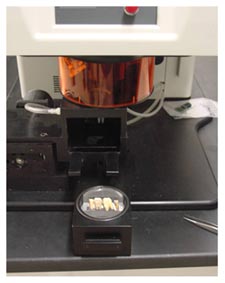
37	73
180	31
179	77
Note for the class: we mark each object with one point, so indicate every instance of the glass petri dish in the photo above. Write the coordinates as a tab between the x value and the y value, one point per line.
102	203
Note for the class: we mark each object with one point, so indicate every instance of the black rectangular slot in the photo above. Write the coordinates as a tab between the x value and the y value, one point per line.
93	134
103	238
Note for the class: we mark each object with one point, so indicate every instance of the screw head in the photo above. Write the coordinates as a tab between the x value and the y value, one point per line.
43	135
20	161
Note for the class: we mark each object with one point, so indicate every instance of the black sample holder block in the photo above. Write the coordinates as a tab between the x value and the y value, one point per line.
111	238
164	166
101	224
101	238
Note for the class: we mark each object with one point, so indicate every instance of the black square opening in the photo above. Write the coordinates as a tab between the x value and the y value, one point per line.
93	134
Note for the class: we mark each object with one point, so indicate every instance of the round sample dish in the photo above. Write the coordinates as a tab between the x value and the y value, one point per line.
102	203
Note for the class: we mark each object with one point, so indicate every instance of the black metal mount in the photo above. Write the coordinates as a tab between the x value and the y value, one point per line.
52	158
92	133
52	148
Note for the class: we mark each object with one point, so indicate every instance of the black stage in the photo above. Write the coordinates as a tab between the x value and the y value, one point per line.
164	167
39	234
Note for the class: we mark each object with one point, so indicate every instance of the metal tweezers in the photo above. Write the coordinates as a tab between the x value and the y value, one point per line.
211	227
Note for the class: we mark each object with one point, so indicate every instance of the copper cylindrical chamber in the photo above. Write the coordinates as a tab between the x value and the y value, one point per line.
106	84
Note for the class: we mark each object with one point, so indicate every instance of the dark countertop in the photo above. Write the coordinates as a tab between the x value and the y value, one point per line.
160	239
41	241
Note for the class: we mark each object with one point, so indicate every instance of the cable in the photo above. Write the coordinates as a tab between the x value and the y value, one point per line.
41	109
148	112
151	107
146	115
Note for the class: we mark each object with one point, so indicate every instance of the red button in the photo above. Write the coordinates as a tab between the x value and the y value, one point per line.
131	11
